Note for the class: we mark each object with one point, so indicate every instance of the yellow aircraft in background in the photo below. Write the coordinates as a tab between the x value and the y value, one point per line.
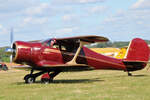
107	51
122	52
118	53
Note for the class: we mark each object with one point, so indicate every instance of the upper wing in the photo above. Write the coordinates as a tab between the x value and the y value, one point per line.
90	38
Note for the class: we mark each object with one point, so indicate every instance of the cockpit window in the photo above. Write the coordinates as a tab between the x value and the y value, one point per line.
68	46
62	45
44	41
55	46
63	48
48	43
59	46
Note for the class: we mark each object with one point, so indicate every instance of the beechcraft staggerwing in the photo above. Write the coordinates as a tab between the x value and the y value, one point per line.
57	55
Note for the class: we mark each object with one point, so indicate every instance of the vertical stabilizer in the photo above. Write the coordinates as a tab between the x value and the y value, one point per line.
138	51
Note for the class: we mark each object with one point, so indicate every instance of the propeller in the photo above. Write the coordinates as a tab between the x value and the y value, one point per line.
11	41
10	50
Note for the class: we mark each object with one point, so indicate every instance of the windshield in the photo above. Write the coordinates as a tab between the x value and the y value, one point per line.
44	41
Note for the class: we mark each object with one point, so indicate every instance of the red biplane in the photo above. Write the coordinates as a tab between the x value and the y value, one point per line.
57	55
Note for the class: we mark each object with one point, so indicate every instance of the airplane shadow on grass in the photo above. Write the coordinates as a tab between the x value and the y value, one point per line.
67	81
136	75
142	75
77	81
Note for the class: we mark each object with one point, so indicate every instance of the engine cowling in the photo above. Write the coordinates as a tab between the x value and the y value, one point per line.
21	51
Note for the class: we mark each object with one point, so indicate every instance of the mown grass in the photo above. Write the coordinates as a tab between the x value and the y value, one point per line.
88	85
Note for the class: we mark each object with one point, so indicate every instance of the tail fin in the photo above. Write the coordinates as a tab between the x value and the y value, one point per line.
138	51
137	55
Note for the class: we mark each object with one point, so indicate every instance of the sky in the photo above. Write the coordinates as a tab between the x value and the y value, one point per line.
118	20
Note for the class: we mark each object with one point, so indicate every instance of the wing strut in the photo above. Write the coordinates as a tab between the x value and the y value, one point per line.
73	61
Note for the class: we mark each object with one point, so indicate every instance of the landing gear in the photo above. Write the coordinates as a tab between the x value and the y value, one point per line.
129	74
30	78
48	77
45	80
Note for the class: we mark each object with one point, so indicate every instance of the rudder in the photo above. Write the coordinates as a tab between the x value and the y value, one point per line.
137	55
138	51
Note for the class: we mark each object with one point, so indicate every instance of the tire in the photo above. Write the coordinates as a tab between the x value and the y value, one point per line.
46	80
29	79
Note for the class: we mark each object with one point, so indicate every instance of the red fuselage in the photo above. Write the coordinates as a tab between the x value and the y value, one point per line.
39	54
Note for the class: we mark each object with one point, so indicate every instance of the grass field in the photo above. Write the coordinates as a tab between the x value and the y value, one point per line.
88	85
